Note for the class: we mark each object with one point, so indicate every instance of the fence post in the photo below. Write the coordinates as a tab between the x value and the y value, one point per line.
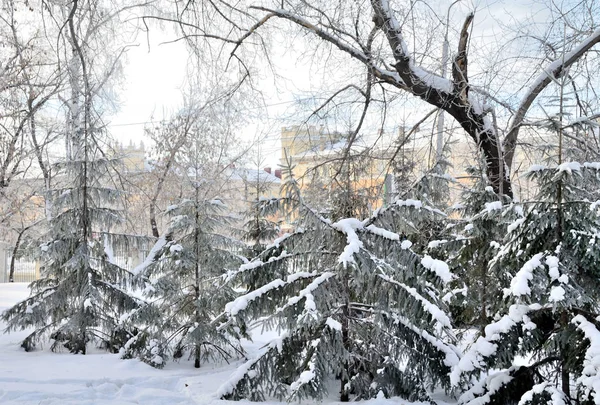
3	262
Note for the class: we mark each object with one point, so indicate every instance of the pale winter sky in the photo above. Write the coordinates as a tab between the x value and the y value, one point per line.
155	74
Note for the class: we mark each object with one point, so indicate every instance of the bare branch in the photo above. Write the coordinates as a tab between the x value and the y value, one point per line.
550	73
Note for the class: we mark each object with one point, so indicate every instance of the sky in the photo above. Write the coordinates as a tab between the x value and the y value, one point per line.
155	80
155	76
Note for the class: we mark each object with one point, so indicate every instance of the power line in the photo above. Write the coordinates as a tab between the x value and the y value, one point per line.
241	110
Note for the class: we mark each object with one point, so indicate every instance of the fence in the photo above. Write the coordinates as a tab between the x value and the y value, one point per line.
27	270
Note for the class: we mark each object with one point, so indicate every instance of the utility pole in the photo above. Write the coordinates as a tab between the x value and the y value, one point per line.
445	56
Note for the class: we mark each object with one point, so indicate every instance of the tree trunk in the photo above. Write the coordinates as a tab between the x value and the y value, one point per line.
11	274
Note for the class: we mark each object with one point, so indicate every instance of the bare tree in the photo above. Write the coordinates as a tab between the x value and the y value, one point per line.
394	44
29	80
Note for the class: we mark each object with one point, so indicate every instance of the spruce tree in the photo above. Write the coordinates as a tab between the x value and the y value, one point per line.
352	301
82	292
184	290
258	228
184	271
550	308
469	241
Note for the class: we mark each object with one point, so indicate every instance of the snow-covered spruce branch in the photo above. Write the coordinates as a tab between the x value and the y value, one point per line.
257	264
436	313
451	353
484	347
306	293
590	376
241	303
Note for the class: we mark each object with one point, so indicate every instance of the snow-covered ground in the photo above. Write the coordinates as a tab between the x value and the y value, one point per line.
100	378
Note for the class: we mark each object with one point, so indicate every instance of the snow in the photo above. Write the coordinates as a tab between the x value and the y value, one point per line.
435	312
436	243
536	168
439	267
253	176
592	165
557	294
100	378
519	285
305	377
278	241
493	382
241	303
333	324
484	346
528	396
175	248
493	206
160	243
218	203
306	293
349	226
432	80
406	244
552	262
87	303
517	223
383	233
590	377
569	167
409	203
553	66
451	358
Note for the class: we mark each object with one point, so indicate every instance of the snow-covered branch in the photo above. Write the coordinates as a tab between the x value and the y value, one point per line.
549	73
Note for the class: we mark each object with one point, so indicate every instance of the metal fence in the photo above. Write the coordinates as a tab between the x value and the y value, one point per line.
26	270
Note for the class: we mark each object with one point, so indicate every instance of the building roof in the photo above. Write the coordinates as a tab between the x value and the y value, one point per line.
253	175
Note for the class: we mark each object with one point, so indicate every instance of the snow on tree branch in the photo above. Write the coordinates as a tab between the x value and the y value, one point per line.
590	376
484	347
451	353
241	303
519	285
549	73
152	255
349	226
436	313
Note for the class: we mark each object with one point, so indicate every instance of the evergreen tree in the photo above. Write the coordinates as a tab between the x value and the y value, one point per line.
184	290
258	229
82	292
551	306
352	301
470	240
183	272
